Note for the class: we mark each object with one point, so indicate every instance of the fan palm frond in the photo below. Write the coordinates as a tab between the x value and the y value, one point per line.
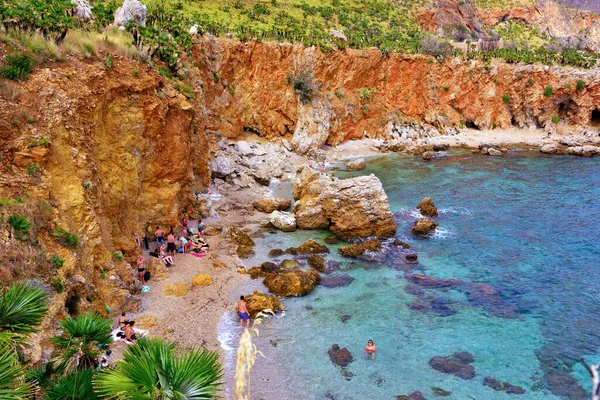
75	386
22	308
12	376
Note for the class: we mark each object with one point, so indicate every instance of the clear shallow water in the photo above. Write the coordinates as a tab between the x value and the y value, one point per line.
524	224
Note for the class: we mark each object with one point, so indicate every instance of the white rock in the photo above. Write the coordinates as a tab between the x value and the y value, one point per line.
222	167
494	152
338	35
356	165
83	10
131	10
284	221
194	29
243	148
549	148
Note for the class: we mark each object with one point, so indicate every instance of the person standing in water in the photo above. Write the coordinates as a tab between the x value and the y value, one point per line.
370	348
243	312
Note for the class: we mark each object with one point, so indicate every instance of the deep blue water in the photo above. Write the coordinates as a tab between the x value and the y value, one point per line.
524	224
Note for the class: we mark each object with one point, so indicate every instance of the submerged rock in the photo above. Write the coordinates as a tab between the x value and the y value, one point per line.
356	165
292	283
270	204
258	302
336	281
456	364
424	226
357	250
412	396
340	356
288	263
502	386
439	392
275	252
427	208
432	282
345	318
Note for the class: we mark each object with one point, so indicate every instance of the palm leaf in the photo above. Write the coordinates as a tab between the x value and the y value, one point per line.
75	386
81	341
153	369
22	308
12	374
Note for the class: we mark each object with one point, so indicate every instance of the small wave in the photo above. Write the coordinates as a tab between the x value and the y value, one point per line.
227	332
442	233
455	210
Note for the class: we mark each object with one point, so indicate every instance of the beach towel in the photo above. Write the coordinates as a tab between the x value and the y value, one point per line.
199	255
145	289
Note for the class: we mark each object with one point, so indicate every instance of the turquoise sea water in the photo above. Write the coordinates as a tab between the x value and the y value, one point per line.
524	224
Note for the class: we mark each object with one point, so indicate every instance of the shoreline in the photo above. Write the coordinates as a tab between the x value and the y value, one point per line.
201	311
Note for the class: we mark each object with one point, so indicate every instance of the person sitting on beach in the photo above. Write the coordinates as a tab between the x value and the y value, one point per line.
185	243
171	248
370	348
243	312
201	229
123	321
160	235
141	267
130	332
162	255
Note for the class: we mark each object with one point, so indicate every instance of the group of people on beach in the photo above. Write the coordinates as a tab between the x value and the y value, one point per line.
126	330
191	240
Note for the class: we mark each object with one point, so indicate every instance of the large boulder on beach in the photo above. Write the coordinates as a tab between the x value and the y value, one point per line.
131	11
549	148
270	204
258	302
221	167
308	247
424	226
355	207
456	364
427	208
340	356
158	270
292	283
283	221
240	237
358	249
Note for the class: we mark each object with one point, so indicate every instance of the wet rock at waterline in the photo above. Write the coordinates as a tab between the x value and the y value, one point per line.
427	208
456	364
308	247
275	252
317	262
257	302
356	165
502	386
292	283
424	226
288	263
359	249
283	221
340	356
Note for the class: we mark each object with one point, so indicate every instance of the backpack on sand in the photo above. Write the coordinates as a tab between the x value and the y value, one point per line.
147	276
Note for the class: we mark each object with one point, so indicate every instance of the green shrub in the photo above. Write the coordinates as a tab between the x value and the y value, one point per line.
339	93
366	94
506	98
57	262
555	119
186	90
436	47
462	123
530	81
117	255
231	89
304	85
18	67
165	72
41	142
446	88
569	87
135	72
33	169
67	239
108	61
548	91
57	285
20	225
580	84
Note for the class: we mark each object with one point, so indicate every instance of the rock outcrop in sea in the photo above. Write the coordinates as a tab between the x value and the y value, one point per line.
355	207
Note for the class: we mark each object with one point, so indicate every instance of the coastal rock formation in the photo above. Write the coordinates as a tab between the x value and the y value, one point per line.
335	281
424	226
288	264
355	207
502	386
427	208
283	221
158	270
359	249
432	282
292	283
356	164
549	149
257	302
245	243
222	167
456	364
317	262
340	356
308	247
270	204
312	128
275	252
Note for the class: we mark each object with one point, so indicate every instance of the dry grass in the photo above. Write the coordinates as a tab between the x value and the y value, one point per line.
9	90
43	49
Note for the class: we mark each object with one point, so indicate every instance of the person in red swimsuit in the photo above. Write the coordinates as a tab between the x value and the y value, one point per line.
370	348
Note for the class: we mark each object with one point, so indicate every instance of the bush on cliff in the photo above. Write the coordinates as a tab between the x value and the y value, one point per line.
435	46
67	239
18	67
304	84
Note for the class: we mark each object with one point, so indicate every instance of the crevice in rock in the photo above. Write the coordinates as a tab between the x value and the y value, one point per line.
471	125
595	118
72	304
